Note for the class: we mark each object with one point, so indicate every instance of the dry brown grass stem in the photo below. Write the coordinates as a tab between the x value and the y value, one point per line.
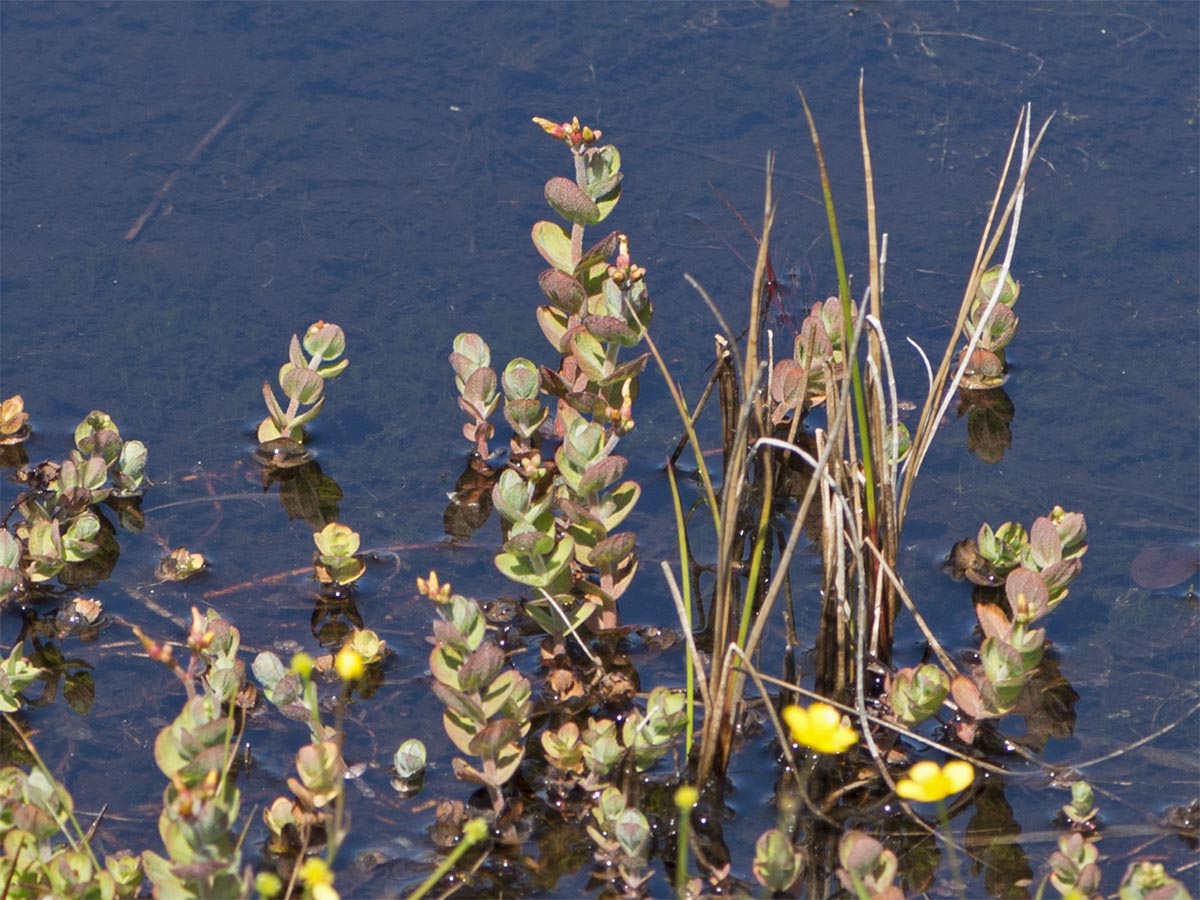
934	409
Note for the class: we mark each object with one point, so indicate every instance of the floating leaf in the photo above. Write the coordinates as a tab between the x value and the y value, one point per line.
1161	566
984	371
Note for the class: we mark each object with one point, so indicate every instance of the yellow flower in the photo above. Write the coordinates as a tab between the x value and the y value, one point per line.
686	797
927	782
318	879
302	664
349	664
819	727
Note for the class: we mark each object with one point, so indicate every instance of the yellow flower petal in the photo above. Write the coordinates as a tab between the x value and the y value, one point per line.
349	664
820	728
959	774
927	782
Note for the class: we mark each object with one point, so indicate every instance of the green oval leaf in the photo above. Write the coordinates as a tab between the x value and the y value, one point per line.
553	242
325	340
302	385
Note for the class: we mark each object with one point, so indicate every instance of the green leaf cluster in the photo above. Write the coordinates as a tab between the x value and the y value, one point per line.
61	530
302	378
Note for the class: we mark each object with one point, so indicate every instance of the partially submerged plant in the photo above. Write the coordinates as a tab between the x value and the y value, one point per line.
335	561
991	325
14	421
61	530
867	867
179	565
621	834
487	703
591	732
312	819
302	379
560	518
16	674
777	862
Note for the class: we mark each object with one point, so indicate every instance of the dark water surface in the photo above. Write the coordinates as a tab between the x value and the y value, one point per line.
381	172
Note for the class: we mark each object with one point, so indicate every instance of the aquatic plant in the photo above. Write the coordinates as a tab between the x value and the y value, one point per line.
582	748
312	819
302	379
335	562
14	421
487	703
867	867
991	325
179	565
61	530
560	516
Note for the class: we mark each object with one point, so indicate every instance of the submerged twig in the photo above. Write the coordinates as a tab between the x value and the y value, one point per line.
161	193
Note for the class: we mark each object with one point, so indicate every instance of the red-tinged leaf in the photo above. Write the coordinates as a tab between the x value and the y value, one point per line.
966	695
568	200
1023	582
993	621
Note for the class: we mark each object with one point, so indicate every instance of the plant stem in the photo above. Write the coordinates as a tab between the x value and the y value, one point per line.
682	838
860	407
467	842
339	803
951	855
60	792
686	587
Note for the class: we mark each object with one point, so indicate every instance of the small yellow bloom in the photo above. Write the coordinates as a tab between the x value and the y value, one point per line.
315	871
318	879
686	797
302	664
820	728
475	830
927	782
349	664
268	884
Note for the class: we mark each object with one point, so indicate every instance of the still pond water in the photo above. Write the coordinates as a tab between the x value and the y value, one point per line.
380	171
